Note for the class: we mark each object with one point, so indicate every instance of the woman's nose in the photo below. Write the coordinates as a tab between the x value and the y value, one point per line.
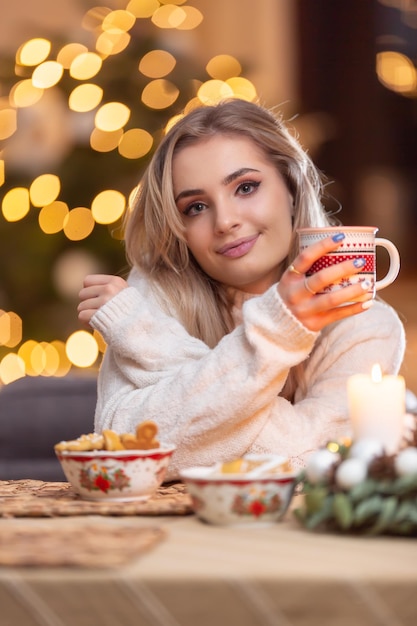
225	218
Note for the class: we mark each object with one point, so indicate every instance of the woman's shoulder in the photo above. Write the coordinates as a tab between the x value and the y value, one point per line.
137	278
151	291
141	282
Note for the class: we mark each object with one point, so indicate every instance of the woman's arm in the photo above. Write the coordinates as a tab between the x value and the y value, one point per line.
153	369
320	412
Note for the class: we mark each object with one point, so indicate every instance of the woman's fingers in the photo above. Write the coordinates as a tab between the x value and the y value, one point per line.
321	280
98	289
317	322
313	253
310	298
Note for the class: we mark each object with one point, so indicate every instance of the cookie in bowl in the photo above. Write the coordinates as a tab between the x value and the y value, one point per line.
253	490
116	467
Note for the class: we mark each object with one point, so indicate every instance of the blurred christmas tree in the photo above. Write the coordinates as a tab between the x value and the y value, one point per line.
77	127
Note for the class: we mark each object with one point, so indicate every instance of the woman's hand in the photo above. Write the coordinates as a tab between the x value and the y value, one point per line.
314	310
97	290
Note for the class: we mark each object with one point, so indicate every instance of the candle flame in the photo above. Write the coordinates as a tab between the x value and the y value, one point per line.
376	373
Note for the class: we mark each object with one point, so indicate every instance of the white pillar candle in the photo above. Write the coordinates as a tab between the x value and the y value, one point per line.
377	408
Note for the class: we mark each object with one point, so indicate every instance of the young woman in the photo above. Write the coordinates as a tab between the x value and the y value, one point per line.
217	335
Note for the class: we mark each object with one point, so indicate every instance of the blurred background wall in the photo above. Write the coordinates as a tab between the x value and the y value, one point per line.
342	71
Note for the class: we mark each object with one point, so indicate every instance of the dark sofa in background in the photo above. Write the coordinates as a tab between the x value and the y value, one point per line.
36	413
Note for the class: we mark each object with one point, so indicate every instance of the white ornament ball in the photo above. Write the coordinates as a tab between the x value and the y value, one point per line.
405	462
319	465
351	472
366	450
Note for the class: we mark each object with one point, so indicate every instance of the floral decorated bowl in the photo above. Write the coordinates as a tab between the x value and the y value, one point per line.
120	475
239	499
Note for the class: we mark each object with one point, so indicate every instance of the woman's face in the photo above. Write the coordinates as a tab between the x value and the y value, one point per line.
236	210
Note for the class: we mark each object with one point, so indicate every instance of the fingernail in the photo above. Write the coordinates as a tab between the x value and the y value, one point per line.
359	262
338	237
366	284
367	304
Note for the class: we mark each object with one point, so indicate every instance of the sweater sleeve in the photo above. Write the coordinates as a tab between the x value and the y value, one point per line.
320	411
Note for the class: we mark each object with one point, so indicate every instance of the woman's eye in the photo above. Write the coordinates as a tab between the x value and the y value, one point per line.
247	187
194	209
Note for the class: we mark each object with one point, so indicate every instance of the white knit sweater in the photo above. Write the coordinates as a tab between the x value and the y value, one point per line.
218	404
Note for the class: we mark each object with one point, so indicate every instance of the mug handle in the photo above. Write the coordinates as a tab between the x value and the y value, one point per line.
394	263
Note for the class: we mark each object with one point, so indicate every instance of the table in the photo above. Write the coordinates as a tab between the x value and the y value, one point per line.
201	575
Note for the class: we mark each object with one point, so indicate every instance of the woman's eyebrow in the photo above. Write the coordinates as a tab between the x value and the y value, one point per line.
240	172
189	192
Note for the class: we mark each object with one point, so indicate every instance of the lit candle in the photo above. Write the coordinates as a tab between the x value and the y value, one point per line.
377	408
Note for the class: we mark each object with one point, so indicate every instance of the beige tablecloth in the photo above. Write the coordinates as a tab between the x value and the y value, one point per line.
201	575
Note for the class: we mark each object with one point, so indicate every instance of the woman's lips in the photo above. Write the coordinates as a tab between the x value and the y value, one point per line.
239	247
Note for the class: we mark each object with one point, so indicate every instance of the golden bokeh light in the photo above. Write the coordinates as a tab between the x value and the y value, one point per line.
25	94
33	52
64	364
42	358
396	71
157	63
10	329
214	91
242	88
82	348
172	121
12	367
50	359
25	353
135	143
94	17
108	206
143	8
37	360
69	270
168	16
85	97
69	52
16	204
85	66
51	217
160	94
44	189
119	21
8	123
193	18
223	66
2	172
112	116
192	104
102	141
112	43
47	74
78	224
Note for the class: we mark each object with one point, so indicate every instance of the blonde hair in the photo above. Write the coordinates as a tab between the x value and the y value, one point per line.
154	233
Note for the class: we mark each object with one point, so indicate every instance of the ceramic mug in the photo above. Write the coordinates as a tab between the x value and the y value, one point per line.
360	242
